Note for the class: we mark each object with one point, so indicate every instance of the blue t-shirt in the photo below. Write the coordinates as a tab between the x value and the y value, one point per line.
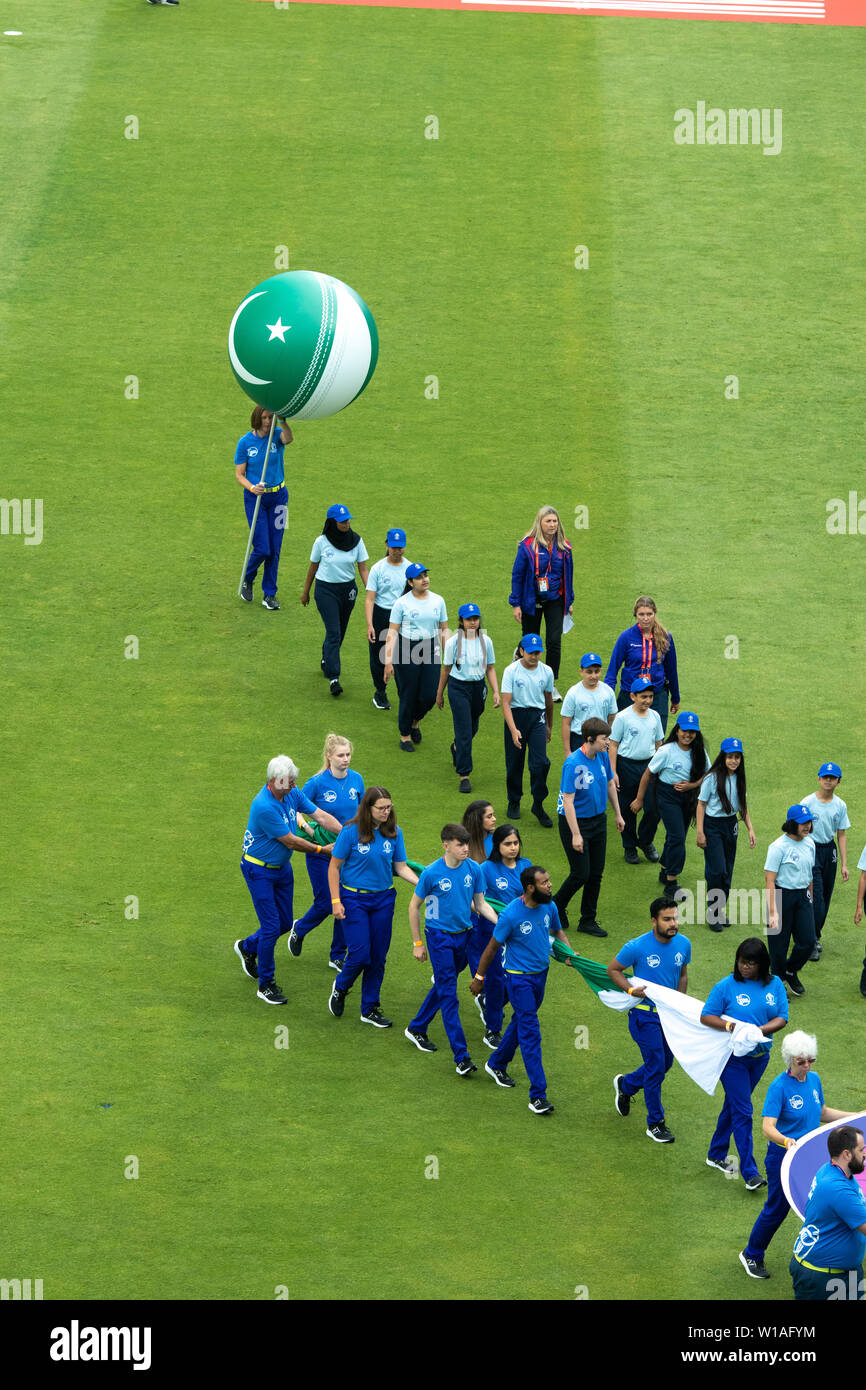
587	779
476	654
503	883
339	796
527	687
525	933
797	1104
673	764
270	817
448	894
709	793
419	619
835	1207
580	704
251	451
792	861
386	582
827	817
660	962
369	865
751	1001
636	736
336	566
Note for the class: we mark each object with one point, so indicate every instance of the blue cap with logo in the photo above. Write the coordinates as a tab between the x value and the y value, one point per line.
395	537
799	813
732	745
642	683
532	642
590	659
414	570
470	610
339	513
829	770
687	720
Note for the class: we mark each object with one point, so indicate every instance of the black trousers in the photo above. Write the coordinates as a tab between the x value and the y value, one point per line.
796	919
672	808
630	771
381	618
335	603
823	881
553	612
585	869
719	856
532	724
417	677
466	699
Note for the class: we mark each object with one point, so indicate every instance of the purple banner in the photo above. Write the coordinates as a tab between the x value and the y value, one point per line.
801	1163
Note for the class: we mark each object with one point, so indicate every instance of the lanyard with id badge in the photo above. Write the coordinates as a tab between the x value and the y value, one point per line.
542	584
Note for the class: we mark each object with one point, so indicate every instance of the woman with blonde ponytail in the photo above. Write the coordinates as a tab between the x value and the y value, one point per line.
647	649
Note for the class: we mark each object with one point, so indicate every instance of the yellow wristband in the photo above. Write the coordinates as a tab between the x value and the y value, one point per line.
335	902
480	977
629	990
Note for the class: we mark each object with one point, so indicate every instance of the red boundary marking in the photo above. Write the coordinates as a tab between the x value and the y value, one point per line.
839	12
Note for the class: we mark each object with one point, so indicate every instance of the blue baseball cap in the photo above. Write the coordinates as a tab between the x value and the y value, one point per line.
470	610
414	570
732	745
590	659
799	813
339	513
829	770
687	720
532	642
642	683
395	537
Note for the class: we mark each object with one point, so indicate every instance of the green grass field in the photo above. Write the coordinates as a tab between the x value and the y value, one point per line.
304	1167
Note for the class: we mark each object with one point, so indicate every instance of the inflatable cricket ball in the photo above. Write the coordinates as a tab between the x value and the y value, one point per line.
303	344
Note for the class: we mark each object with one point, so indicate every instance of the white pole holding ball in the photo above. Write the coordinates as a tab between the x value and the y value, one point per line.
259	497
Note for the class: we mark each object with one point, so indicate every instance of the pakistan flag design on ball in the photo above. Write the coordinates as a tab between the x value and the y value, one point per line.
303	344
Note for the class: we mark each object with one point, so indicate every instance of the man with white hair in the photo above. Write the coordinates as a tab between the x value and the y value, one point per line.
793	1107
269	839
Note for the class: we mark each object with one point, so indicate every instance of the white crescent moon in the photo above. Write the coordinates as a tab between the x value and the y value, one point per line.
235	360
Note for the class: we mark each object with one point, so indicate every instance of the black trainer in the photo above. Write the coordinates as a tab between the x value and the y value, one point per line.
622	1101
756	1269
296	943
499	1074
480	1002
336	688
670	889
651	853
381	701
465	786
415	735
754	1182
591	929
270	601
816	951
377	1018
247	591
247	959
631	856
660	1133
492	1039
466	1067
792	980
724	1166
421	1041
541	815
337	1001
337	964
513	811
541	1106
271	993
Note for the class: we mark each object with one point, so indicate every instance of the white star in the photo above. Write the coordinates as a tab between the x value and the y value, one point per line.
277	330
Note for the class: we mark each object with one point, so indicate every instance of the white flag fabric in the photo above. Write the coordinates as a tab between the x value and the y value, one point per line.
702	1052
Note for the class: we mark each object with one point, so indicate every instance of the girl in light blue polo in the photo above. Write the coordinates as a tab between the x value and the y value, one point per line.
417	630
788	873
334	556
677	770
830	824
467	666
386	583
721	800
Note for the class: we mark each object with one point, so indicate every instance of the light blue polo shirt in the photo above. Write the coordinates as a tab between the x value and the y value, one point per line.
476	654
251	451
448	894
525	934
270	817
709	793
636	736
336	566
828	817
660	962
797	1104
751	1001
387	582
673	764
586	779
418	619
527	688
580	704
369	865
503	883
792	861
835	1207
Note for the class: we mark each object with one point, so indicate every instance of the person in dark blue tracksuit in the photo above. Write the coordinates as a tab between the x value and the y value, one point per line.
273	511
660	956
830	824
647	649
542	584
333	558
269	840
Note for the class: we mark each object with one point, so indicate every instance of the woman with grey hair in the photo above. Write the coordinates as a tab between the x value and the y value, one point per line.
793	1107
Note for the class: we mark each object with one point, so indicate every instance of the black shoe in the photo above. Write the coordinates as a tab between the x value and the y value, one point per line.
670	890
541	815
337	1001
816	951
725	1166
660	1133
421	1041
591	929
480	1002
270	601
336	688
296	943
513	811
499	1074
756	1269
651	853
377	1018
716	926
756	1181
663	877
407	745
466	1067
271	993
465	785
337	964
247	960
622	1101
631	856
246	587
863	984
173	3
792	980
492	1039
381	701
541	1106
415	735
